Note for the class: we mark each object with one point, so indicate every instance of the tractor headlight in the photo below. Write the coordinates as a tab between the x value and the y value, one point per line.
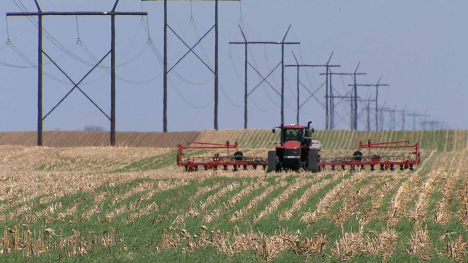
292	157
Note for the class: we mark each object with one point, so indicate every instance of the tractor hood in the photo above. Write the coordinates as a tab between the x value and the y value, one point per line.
292	145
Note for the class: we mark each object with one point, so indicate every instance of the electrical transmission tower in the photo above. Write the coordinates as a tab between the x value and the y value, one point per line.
76	85
368	108
215	71
377	86
393	112
415	115
425	122
298	67
327	96
354	103
383	110
435	125
403	118
393	118
350	100
246	43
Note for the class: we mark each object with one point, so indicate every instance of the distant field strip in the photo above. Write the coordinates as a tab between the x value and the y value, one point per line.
334	139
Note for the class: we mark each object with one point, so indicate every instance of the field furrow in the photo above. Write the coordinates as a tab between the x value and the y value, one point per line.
204	190
151	207
324	206
418	214
290	212
237	216
352	202
232	202
282	197
417	185
442	213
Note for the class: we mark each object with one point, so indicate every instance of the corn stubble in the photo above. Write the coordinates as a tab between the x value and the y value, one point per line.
32	244
352	244
234	242
34	182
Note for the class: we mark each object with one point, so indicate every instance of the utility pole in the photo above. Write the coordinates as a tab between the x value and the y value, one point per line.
435	125
40	75
298	66
215	71
283	43
377	86
394	111
383	110
414	115
349	99
166	72
368	115
403	115
425	122
355	98
328	90
353	105
368	108
76	85
393	117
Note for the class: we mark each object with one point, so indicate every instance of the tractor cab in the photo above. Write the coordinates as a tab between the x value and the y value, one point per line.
297	133
293	133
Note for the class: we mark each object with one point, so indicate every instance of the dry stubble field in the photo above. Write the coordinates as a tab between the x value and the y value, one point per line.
133	204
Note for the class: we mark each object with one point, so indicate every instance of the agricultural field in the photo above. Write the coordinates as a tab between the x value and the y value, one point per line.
93	139
133	204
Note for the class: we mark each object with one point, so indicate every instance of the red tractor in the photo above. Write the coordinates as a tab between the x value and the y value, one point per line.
296	150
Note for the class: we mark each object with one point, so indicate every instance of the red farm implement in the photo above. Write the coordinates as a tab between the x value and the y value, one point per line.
384	162
298	150
193	161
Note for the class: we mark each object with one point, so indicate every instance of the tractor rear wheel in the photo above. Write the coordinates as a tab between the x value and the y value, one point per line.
271	161
312	161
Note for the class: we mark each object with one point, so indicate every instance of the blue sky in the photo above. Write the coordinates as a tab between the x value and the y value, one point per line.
419	46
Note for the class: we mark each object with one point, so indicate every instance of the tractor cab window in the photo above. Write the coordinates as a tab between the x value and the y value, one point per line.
293	135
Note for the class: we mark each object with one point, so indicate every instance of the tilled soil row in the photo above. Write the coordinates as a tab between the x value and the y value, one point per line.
353	200
237	216
282	197
324	206
292	211
233	201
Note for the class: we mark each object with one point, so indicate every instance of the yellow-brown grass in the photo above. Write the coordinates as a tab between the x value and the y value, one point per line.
354	243
99	139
